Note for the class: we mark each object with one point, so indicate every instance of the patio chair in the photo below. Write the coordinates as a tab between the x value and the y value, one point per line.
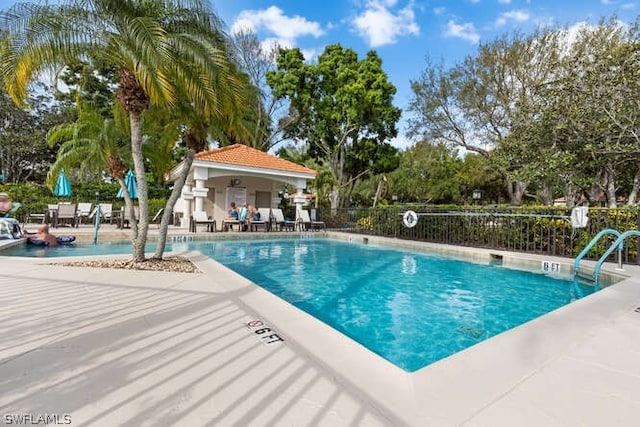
265	220
241	221
67	215
228	223
84	210
36	217
106	212
280	221
201	217
306	223
125	216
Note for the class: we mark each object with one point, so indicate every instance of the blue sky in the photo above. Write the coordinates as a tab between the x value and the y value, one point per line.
405	32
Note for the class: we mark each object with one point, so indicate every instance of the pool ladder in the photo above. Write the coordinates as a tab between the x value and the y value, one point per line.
618	244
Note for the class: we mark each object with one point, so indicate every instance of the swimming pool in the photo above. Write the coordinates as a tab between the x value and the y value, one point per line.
409	307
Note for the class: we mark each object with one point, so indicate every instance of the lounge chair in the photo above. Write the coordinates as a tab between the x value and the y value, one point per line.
38	217
280	221
84	210
306	223
201	218
241	221
67	215
106	212
125	216
265	220
228	223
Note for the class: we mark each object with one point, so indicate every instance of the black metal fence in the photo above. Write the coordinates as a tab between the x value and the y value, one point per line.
539	230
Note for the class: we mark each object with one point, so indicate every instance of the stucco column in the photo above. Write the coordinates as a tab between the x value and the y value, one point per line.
200	175
199	193
187	196
299	200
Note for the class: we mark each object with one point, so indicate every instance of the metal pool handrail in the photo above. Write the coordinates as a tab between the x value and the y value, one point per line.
619	243
593	241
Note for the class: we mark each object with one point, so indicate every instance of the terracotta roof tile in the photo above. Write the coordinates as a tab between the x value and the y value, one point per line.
239	154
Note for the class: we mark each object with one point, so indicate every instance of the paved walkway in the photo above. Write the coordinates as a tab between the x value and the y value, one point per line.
116	347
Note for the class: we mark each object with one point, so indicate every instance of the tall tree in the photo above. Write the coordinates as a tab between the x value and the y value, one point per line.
24	155
343	108
474	104
158	47
267	116
91	145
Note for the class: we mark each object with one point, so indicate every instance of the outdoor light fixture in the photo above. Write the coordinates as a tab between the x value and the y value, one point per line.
235	181
477	195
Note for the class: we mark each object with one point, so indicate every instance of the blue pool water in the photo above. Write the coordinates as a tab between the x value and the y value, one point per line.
410	308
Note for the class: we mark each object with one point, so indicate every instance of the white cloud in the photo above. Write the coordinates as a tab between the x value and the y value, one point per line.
439	10
514	15
504	1
285	29
380	26
465	31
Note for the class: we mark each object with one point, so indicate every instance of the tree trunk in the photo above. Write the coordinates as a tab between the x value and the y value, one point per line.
338	170
128	205
610	188
515	190
633	195
570	195
140	239
335	198
546	194
171	202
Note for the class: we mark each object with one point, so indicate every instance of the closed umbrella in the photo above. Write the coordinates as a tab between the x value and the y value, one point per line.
63	186
131	184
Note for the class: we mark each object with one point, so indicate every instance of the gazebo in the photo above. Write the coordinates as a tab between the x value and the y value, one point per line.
237	173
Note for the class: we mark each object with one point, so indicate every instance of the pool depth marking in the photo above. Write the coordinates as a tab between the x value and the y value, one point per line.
550	267
266	334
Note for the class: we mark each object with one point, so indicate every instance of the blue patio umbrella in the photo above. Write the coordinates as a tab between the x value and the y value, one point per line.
131	184
63	186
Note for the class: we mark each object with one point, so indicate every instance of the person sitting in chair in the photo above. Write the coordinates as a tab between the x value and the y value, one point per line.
232	215
254	214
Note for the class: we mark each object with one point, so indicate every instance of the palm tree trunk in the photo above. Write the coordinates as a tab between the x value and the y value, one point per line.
128	205
140	240
171	202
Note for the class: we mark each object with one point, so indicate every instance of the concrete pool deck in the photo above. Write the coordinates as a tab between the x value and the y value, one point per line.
121	347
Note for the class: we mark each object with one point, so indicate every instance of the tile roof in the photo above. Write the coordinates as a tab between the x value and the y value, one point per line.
239	154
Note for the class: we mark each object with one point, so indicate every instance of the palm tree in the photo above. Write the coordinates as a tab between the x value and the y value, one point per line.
159	47
92	144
